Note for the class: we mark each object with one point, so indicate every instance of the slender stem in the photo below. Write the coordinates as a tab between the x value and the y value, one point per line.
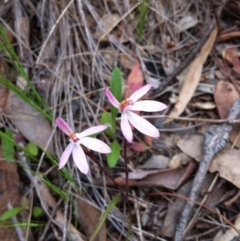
125	166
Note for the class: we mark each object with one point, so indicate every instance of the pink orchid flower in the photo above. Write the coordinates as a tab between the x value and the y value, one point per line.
127	106
74	147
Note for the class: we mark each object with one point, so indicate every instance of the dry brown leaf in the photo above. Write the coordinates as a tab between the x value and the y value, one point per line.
225	95
171	179
89	218
9	193
33	126
228	166
193	77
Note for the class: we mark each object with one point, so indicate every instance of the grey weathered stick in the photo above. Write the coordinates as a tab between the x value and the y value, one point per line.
215	139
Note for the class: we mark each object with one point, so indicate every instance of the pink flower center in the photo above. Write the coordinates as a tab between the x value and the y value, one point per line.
125	103
73	137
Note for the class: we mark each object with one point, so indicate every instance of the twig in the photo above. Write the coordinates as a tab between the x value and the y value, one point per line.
215	139
222	121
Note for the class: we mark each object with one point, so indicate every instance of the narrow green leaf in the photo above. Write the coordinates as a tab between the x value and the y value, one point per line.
8	146
106	118
11	213
32	148
104	216
23	225
116	89
37	211
143	11
113	157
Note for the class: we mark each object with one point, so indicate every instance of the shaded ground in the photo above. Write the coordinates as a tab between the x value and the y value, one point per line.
65	54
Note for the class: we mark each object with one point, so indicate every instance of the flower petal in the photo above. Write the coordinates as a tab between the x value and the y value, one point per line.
65	156
147	105
63	126
142	125
80	159
92	130
95	145
140	92
126	128
112	99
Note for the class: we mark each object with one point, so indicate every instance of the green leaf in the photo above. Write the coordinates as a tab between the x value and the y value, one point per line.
37	211
106	118
32	148
116	89
113	157
11	213
8	146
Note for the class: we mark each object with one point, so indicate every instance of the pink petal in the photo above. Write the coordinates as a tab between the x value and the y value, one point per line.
140	92
63	126
147	105
92	130
142	125
95	145
80	159
65	156
112	99
126	128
